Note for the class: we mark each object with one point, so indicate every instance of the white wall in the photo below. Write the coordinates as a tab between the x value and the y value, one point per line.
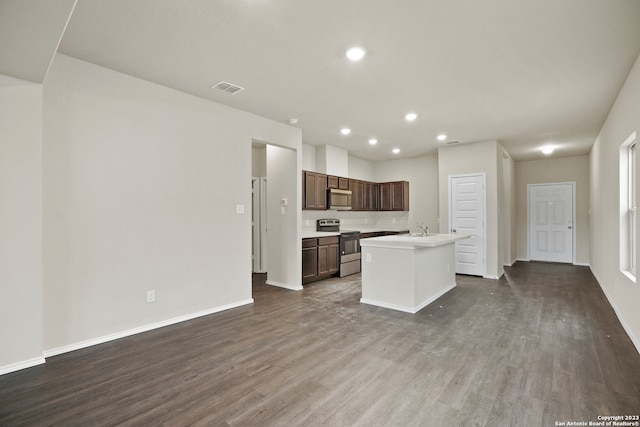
422	174
282	255
481	157
259	162
20	226
361	169
141	184
623	120
309	157
563	169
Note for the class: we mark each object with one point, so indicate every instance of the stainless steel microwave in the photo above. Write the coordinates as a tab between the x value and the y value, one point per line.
339	200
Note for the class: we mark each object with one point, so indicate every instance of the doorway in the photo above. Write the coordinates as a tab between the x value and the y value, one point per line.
551	222
467	201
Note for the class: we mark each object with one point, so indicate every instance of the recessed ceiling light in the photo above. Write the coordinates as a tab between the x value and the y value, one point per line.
373	141
547	149
442	137
395	150
411	117
355	53
345	131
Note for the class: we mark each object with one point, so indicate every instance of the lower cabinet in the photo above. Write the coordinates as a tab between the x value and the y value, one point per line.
320	258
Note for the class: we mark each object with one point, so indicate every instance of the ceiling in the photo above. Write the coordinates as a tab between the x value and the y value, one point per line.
526	73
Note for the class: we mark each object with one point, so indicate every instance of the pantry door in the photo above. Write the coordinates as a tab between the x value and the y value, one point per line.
551	222
467	197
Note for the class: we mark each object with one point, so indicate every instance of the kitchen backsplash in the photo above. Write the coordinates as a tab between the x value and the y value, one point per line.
391	220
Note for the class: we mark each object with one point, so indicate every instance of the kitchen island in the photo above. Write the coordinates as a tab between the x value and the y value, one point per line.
408	272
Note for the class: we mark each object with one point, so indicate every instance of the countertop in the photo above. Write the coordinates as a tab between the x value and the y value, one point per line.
406	241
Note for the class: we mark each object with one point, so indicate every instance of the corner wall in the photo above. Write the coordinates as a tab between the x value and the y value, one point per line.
623	120
480	157
141	187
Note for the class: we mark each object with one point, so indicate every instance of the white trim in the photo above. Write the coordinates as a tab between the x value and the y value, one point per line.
18	366
573	219
485	255
284	285
635	340
523	259
144	328
582	264
510	264
494	277
412	310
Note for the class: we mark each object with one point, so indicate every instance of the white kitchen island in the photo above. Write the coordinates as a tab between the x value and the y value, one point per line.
407	272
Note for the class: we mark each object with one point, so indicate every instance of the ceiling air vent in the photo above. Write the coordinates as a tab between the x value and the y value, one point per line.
227	87
455	141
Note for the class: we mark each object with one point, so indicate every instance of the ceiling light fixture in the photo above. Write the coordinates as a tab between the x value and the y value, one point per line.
441	137
355	53
395	150
547	149
345	131
411	117
373	141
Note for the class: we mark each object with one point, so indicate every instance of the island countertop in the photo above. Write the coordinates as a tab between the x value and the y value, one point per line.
410	241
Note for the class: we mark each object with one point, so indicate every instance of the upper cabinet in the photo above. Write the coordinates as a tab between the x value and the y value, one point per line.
365	195
315	190
394	196
337	182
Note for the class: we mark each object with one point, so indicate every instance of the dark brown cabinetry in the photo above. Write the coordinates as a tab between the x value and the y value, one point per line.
371	196
337	182
394	196
365	195
320	258
315	191
357	194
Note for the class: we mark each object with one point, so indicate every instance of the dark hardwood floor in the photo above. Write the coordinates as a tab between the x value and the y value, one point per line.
540	345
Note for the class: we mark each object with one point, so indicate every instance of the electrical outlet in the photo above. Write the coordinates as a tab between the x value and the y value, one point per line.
368	257
151	296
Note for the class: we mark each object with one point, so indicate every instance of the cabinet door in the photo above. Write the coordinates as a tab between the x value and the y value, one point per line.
309	185
357	194
321	191
323	260
334	258
385	196
400	196
315	190
332	181
371	195
343	183
309	263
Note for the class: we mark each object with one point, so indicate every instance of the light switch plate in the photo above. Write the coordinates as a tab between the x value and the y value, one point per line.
239	209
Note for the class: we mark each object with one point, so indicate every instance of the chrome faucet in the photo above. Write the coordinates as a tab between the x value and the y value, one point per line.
424	228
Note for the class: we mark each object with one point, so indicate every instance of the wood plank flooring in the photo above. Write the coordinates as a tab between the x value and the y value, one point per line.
540	345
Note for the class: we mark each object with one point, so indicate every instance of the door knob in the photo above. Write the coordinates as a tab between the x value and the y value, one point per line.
569	227
453	230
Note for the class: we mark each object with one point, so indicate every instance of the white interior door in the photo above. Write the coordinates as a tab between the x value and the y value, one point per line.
467	210
551	222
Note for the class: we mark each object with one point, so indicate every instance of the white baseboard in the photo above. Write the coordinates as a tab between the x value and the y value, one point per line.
510	263
412	310
582	264
140	329
523	259
494	277
21	365
284	285
627	329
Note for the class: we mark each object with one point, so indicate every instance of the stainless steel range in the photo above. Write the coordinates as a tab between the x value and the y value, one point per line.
349	246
